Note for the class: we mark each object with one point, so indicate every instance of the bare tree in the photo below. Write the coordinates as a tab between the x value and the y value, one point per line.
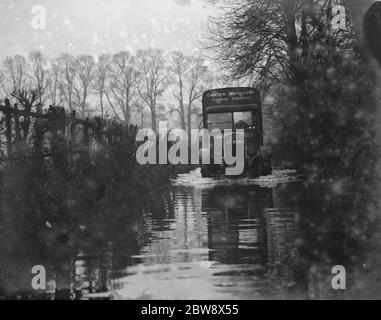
178	69
153	79
85	66
54	86
39	75
3	82
122	88
190	75
277	41
15	73
102	74
69	72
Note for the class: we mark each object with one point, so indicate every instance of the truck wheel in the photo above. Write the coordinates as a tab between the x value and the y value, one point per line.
255	168
205	173
267	168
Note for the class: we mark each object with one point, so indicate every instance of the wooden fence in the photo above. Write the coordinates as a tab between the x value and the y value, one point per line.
26	130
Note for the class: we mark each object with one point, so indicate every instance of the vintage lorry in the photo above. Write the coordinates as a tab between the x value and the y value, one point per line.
237	109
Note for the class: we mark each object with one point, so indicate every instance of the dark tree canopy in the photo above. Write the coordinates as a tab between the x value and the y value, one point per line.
275	41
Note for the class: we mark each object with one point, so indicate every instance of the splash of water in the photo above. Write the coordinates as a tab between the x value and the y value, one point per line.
194	179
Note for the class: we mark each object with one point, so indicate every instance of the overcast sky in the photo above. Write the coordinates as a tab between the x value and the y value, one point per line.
97	26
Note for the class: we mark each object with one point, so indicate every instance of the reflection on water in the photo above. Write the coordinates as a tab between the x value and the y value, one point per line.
203	239
213	241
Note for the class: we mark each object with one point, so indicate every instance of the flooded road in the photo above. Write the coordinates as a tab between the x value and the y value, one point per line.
222	239
216	239
196	239
213	240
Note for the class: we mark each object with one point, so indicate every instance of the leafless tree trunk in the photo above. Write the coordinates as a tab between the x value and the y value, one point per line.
153	79
122	88
15	69
54	85
190	76
69	73
39	76
85	66
103	72
178	68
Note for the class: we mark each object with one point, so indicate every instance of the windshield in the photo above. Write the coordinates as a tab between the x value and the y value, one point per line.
243	120
220	121
230	120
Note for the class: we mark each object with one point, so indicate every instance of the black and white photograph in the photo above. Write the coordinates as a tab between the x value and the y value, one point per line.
208	152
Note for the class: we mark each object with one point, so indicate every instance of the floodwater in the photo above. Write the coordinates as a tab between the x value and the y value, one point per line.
217	239
222	239
213	241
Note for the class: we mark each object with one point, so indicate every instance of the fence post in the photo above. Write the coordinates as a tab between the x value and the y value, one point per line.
8	127
71	135
17	125
86	133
